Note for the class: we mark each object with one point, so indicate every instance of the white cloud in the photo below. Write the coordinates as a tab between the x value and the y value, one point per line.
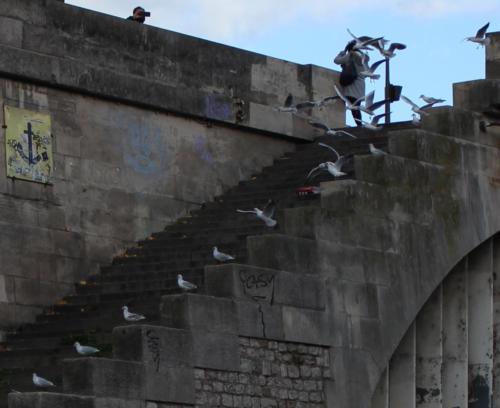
231	19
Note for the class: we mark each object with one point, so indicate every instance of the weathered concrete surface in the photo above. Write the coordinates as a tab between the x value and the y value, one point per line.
384	242
493	56
120	173
74	48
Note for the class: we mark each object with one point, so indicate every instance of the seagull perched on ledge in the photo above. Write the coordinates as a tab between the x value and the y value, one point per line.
221	256
131	317
185	285
376	152
430	100
42	382
85	350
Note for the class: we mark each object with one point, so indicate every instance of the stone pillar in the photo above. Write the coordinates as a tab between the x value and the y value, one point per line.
496	321
402	373
429	350
480	271
455	363
380	397
493	56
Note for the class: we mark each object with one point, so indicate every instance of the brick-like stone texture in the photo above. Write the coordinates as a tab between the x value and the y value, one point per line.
272	374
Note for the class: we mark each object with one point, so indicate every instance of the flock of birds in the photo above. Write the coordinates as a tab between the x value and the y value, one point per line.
365	104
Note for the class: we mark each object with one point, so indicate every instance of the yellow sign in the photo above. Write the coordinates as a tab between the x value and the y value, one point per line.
28	145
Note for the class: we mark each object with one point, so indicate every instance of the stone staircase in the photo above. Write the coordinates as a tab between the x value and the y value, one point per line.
146	272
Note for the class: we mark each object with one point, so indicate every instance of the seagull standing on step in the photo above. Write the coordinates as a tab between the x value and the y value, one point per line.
184	284
42	382
415	108
480	37
131	317
85	350
265	215
221	256
329	131
376	152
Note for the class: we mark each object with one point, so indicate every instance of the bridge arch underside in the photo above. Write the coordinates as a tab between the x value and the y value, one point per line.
450	354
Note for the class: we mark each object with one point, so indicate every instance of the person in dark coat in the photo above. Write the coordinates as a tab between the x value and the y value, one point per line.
138	15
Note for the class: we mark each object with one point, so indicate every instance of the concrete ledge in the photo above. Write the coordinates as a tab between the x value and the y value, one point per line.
103	377
265	285
493	56
260	320
155	346
49	400
199	312
306	326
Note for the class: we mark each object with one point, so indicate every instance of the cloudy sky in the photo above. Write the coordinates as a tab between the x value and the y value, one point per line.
313	31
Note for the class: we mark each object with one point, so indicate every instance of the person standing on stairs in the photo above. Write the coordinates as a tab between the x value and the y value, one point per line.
353	84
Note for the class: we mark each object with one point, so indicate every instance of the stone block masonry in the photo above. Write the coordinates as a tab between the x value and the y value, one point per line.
272	374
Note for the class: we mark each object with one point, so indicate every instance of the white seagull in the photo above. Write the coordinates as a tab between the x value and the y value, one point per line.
42	382
265	215
480	37
415	119
85	350
369	70
348	104
334	168
185	285
415	108
369	105
363	42
388	52
221	256
376	152
131	317
329	131
431	100
373	124
290	108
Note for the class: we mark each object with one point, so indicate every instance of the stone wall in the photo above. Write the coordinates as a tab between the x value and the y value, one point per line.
120	173
146	124
272	374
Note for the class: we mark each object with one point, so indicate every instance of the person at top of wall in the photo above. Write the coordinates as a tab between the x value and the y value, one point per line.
139	15
353	84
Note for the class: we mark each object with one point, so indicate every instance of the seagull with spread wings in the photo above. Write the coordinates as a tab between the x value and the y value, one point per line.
373	124
389	52
415	108
265	214
334	168
480	37
364	42
431	100
329	131
369	70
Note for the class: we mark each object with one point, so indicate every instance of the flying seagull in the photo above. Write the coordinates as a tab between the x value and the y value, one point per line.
348	104
185	285
376	152
415	119
334	168
480	37
131	317
431	100
364	42
289	107
266	214
369	105
329	131
373	124
369	70
85	350
415	108
42	382
388	52
221	256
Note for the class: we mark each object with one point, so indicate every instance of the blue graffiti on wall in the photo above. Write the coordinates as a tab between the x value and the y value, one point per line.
201	148
217	108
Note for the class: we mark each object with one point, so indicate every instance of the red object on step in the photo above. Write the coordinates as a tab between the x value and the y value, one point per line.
307	191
